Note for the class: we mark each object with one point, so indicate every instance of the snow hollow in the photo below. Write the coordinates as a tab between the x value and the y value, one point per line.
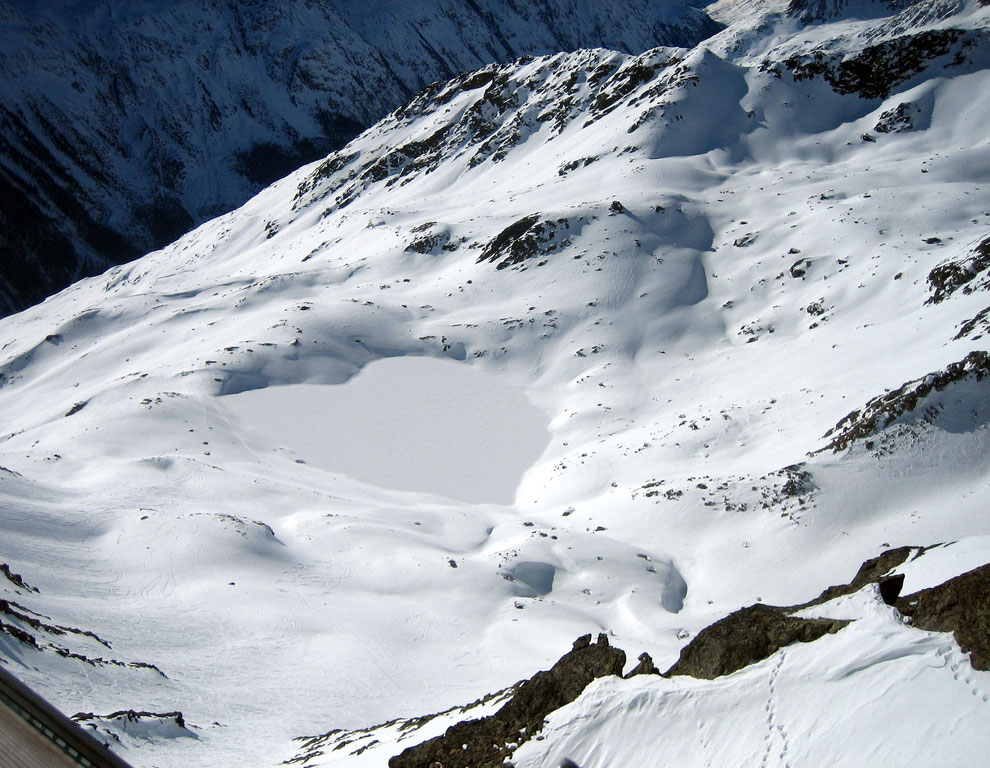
408	424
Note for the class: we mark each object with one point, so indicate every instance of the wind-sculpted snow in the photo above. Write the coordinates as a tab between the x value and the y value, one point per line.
695	268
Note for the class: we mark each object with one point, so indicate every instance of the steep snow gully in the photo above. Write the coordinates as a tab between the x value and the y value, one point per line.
741	288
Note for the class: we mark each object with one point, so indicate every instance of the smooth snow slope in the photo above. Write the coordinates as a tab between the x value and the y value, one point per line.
690	259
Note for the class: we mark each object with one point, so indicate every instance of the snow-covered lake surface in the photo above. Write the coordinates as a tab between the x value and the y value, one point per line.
409	424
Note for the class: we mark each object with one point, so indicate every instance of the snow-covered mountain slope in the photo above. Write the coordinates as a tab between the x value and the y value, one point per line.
125	125
747	284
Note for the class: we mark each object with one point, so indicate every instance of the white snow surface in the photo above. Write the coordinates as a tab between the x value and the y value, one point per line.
721	269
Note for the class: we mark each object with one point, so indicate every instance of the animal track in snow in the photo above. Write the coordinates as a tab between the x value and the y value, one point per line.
776	733
962	670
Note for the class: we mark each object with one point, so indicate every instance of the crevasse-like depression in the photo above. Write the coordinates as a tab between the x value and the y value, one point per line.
406	423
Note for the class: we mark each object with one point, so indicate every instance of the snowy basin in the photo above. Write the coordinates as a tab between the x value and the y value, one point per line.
406	423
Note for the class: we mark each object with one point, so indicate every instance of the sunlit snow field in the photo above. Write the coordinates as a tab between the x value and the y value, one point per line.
617	419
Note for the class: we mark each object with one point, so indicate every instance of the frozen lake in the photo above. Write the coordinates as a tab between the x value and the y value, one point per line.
407	423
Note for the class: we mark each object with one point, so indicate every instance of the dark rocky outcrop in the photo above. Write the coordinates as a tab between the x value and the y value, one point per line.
883	410
645	667
875	71
15	578
896	120
525	239
753	633
870	572
36	630
980	323
951	275
488	742
133	716
744	637
961	606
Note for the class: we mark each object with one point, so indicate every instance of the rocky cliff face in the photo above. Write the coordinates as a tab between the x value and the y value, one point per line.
124	126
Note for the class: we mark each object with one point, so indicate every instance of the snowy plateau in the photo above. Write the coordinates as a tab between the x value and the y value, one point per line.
733	302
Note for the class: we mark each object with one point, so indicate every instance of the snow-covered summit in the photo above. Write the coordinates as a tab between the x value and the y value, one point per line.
747	285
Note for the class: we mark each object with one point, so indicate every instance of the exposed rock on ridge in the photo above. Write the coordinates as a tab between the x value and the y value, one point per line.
124	127
488	742
754	633
961	606
885	409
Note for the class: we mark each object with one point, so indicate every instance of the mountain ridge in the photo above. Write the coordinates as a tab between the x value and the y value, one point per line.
125	128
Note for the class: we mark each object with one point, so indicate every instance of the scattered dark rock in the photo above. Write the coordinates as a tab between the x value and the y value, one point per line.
800	268
22	614
132	716
525	239
489	742
979	321
31	621
575	164
504	240
77	407
798	480
333	164
429	243
816	309
623	83
746	240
